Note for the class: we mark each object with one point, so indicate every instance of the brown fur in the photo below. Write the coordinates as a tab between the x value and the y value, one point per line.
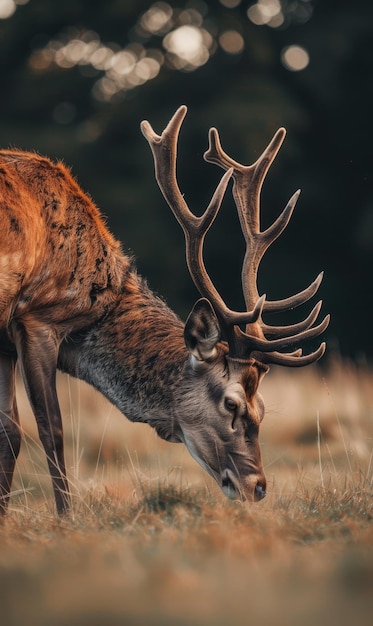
58	260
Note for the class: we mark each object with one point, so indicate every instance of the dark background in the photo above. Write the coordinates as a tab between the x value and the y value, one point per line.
60	103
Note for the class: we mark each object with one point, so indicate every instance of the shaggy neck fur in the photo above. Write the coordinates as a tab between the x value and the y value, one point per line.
134	356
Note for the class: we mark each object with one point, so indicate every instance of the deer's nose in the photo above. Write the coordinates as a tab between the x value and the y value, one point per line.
260	490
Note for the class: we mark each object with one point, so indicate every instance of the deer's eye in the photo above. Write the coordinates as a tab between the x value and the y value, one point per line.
230	404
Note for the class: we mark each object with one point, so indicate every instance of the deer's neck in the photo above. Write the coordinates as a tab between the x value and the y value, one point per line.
134	356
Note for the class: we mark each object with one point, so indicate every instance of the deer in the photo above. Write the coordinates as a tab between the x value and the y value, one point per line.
72	300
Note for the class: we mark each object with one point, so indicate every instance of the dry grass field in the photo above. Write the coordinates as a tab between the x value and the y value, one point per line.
152	540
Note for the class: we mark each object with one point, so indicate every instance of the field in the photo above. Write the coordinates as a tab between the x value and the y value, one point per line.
153	541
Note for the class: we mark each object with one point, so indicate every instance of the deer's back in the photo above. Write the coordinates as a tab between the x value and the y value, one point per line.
58	261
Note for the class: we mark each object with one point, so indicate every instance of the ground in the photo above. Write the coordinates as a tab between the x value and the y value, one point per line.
153	541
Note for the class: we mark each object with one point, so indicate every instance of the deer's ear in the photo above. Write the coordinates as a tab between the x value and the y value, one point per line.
202	331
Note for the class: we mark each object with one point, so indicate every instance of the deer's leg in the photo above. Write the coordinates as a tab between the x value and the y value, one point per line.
10	436
37	349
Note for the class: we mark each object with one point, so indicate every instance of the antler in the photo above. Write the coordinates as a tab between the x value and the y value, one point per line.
164	149
248	181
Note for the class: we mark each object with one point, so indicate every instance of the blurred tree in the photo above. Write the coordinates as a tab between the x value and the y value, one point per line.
77	78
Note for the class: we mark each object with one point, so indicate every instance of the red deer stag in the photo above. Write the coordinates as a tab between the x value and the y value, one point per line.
71	300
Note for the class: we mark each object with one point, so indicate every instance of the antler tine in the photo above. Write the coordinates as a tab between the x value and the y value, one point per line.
164	149
266	345
248	181
292	360
276	306
287	331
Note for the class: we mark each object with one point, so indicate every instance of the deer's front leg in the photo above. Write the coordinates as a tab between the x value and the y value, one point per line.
37	348
10	436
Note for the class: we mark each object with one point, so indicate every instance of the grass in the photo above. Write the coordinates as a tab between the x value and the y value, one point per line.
152	541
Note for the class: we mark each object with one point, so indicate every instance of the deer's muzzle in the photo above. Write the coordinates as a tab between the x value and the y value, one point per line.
252	488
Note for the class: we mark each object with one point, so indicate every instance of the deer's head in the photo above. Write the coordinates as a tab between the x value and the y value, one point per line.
230	351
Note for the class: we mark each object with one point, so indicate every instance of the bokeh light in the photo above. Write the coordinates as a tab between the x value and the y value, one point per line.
230	4
266	12
158	19
295	58
232	42
183	43
8	7
123	68
276	13
183	39
188	47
